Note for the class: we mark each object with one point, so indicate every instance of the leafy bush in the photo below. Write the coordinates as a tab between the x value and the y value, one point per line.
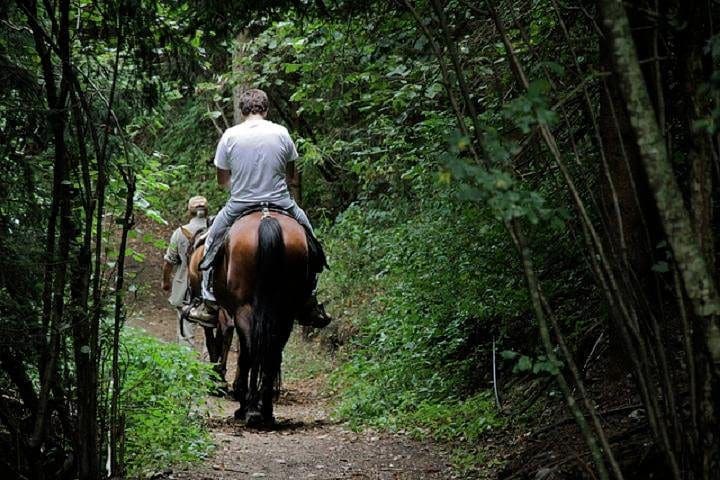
471	418
420	338
423	288
163	398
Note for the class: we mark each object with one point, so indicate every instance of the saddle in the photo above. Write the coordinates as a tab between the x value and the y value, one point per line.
316	255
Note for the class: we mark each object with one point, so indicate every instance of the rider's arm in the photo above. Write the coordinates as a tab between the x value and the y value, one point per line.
222	163
166	272
223	178
292	174
172	258
292	178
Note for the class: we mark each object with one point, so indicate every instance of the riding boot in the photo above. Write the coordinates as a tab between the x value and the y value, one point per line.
206	312
313	313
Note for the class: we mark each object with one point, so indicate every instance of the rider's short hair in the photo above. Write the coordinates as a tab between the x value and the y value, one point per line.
253	101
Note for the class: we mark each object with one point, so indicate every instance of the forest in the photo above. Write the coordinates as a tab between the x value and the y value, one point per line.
516	199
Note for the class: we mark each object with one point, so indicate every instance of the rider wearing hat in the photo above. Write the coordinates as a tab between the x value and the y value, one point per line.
254	160
176	258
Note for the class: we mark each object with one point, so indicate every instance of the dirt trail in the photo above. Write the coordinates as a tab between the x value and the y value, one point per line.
305	443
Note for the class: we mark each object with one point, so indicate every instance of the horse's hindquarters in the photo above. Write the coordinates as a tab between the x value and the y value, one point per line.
266	279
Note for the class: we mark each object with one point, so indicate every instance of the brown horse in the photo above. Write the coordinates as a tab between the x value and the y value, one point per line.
218	340
261	282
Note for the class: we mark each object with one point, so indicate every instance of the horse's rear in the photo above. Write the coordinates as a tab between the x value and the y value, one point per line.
262	281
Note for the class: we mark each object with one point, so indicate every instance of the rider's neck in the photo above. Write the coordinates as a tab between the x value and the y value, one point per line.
198	222
255	116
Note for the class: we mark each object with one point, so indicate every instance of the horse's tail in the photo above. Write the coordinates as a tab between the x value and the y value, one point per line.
270	327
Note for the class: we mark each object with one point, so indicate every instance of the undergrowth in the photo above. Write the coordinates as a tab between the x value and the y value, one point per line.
302	361
164	400
420	341
423	288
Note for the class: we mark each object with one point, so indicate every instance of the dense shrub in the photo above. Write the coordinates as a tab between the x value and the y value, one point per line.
164	400
421	290
420	338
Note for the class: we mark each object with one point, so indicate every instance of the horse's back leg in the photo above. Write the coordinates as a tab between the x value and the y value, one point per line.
240	385
211	344
268	385
224	338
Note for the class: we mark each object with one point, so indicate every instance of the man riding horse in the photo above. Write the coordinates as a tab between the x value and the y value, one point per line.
253	160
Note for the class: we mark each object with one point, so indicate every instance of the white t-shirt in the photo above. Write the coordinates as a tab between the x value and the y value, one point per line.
257	152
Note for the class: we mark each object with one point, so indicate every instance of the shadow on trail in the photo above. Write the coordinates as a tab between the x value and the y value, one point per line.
290	425
285	425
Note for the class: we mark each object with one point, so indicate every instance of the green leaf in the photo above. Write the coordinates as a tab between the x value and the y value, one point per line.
524	364
509	355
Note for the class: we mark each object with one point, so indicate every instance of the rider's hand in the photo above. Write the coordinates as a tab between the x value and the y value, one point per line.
165	285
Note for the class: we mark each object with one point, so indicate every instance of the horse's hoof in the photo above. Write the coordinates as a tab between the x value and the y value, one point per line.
253	419
240	414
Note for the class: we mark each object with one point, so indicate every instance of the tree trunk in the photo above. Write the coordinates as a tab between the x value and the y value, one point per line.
696	104
629	236
622	191
696	277
238	81
117	426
